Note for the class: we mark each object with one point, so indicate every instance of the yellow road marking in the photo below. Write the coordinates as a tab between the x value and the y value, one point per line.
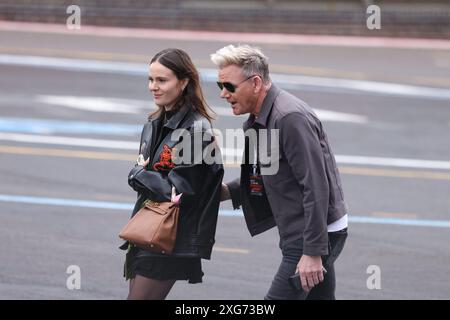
58	53
437	82
230	250
319	72
441	59
67	153
395	173
129	157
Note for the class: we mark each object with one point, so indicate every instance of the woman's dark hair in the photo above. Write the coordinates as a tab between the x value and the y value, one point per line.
181	64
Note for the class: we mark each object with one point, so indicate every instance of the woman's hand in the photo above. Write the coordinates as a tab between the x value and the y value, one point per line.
175	198
141	162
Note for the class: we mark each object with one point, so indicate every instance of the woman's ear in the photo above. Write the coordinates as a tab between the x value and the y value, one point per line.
184	83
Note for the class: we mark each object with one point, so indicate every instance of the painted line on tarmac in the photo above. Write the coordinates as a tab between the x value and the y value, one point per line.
71	141
92	204
92	155
435	81
104	104
229	37
113	105
235	154
66	202
229	213
406	174
393	162
96	104
210	75
401	222
47	126
228	154
230	250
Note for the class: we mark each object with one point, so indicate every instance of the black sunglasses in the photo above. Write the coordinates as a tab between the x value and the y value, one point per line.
231	87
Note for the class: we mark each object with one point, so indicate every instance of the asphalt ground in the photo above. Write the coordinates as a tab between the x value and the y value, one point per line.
399	205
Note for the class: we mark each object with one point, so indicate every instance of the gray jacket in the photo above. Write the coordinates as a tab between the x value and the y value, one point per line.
305	194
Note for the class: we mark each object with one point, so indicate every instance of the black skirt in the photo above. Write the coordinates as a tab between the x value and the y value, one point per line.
162	268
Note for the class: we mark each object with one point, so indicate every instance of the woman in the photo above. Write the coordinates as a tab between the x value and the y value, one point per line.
174	83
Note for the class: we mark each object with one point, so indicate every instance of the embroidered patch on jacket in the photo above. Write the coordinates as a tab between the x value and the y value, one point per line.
165	160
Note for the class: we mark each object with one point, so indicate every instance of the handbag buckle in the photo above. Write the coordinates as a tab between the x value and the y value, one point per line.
151	202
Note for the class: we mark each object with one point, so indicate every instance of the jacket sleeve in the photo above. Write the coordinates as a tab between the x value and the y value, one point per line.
150	183
301	145
235	192
187	177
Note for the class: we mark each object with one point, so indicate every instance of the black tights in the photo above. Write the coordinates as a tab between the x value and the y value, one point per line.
142	288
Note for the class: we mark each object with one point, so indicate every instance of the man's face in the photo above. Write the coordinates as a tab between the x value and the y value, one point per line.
244	98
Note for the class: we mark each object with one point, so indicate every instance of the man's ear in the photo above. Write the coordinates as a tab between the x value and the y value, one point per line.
258	84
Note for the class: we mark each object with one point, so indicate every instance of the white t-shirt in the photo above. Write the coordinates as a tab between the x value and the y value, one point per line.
338	225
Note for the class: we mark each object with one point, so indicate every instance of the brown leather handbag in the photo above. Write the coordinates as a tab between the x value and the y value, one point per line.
154	227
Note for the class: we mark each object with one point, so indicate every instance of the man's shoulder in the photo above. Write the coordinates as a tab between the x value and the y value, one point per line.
286	103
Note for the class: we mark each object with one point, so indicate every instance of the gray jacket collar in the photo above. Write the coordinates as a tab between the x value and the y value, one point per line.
265	109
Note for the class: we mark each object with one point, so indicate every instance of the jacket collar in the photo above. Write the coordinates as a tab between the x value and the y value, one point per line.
265	109
176	119
173	124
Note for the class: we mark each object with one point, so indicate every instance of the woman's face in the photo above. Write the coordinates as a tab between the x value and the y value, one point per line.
164	85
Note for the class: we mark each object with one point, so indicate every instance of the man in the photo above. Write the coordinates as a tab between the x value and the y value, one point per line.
304	197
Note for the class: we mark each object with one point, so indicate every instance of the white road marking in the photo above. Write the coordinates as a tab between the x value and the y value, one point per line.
103	104
210	75
96	104
227	153
333	116
377	87
69	141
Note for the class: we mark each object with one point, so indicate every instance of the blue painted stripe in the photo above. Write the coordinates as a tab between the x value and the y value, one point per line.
403	222
41	126
232	213
67	202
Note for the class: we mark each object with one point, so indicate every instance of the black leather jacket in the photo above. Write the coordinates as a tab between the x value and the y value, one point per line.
199	182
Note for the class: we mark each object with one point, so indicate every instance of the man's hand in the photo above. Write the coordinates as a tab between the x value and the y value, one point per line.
311	271
225	193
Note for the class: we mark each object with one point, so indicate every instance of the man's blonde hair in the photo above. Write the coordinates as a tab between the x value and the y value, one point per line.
250	59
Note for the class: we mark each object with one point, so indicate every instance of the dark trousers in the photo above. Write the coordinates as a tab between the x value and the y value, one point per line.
281	289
